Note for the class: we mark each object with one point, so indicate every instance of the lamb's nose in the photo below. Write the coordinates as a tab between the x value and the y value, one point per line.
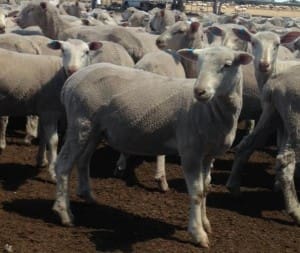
264	65
199	93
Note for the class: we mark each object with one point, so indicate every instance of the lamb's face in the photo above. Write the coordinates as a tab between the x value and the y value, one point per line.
2	21
218	70
178	35
228	37
28	16
75	53
265	47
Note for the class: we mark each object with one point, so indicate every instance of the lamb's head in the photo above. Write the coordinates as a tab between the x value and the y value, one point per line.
218	70
2	21
161	20
181	35
128	12
265	47
75	53
35	14
228	37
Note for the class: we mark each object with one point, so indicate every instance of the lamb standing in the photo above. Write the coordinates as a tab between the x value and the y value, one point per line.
138	112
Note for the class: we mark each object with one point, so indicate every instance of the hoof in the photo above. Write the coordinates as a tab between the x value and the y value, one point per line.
119	172
65	216
234	190
28	140
87	197
162	184
296	215
201	239
42	164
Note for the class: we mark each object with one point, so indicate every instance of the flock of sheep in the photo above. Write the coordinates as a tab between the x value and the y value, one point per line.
151	83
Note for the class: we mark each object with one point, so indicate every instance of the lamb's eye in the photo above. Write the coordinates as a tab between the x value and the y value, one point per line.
87	52
253	44
225	66
62	50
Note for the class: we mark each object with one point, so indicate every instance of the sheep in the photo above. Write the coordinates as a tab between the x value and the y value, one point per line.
136	43
161	20
33	91
44	15
26	90
2	21
265	48
104	16
182	35
196	118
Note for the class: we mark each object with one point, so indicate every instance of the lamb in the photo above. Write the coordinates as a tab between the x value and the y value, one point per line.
161	20
33	91
37	93
44	15
136	44
159	115
182	35
267	67
2	21
30	45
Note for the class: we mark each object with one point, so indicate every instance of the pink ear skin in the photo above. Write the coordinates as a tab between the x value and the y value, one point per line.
54	44
188	54
243	34
215	30
289	37
194	27
43	5
162	13
95	45
243	59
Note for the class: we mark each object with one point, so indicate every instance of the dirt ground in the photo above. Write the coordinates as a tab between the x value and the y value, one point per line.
132	215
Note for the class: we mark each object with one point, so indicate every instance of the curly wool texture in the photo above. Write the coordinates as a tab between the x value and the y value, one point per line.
29	83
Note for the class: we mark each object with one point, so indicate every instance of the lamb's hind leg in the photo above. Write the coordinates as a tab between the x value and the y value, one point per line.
83	168
194	176
3	126
257	138
285	168
74	145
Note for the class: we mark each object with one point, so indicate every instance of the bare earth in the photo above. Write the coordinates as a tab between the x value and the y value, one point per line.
133	216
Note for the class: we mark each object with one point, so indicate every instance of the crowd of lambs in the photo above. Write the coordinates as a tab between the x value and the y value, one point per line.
156	83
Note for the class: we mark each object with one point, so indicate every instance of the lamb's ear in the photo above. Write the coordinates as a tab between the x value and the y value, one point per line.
95	45
190	54
194	27
242	58
77	3
43	5
289	37
215	30
54	44
243	34
85	21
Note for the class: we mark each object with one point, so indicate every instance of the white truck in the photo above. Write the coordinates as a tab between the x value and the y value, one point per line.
145	4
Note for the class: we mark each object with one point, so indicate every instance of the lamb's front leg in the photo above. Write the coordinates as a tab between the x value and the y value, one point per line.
264	128
207	166
48	125
31	128
3	126
160	175
121	165
194	176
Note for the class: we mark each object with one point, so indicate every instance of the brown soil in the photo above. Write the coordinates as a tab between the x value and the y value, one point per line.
133	216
